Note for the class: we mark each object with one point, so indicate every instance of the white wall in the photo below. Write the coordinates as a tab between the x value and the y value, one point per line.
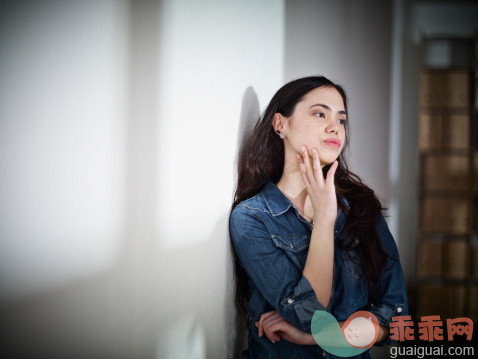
119	128
62	116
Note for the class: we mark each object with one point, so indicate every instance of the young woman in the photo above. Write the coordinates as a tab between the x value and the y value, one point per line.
307	233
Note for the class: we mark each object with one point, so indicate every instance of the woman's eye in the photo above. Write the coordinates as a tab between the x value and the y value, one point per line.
320	114
342	121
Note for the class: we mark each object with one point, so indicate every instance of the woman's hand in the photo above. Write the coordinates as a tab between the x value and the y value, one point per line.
276	327
321	191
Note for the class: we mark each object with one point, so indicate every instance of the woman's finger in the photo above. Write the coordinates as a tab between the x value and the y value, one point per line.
303	172
262	326
308	165
275	328
319	177
273	322
261	321
268	323
260	329
270	319
331	173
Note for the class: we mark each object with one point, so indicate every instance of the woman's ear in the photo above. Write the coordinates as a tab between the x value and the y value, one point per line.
278	123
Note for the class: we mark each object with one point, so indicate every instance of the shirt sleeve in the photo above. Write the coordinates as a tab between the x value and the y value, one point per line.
394	294
276	277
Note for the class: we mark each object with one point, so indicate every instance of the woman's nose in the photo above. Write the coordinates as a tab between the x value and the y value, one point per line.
333	127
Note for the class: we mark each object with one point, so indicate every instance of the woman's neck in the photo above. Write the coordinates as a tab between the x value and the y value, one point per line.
292	184
293	187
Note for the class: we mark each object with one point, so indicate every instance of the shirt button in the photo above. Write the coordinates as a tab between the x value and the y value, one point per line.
324	354
399	309
290	301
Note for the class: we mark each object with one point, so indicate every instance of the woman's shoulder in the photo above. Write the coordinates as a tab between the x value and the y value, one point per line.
251	211
256	202
248	207
245	220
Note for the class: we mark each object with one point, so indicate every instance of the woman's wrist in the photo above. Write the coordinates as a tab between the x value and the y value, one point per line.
382	334
323	224
310	340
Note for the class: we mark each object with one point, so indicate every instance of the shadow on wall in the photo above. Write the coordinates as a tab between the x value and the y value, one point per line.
250	113
138	308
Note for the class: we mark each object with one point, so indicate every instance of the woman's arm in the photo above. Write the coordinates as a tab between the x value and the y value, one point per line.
275	327
382	334
319	265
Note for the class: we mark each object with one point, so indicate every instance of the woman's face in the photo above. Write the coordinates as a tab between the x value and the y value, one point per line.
318	122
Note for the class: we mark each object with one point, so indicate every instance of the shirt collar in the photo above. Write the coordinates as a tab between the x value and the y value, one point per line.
278	203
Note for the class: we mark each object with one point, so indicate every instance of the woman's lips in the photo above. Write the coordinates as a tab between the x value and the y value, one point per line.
333	143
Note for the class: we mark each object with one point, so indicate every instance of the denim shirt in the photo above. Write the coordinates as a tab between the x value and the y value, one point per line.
271	240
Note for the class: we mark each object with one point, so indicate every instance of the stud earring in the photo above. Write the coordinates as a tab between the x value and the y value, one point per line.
281	134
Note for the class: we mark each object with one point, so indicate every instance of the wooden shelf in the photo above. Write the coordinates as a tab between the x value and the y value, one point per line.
444	269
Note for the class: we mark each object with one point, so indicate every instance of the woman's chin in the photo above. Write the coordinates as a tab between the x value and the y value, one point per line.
326	162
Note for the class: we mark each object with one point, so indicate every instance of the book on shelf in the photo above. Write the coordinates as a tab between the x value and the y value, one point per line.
446	172
448	301
429	258
443	130
446	214
450	88
456	264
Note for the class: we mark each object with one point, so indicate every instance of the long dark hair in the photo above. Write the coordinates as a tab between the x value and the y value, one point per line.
261	159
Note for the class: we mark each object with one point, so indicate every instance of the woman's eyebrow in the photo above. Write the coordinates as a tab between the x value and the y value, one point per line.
327	108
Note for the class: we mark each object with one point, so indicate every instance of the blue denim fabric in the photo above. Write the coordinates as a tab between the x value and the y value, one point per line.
271	240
